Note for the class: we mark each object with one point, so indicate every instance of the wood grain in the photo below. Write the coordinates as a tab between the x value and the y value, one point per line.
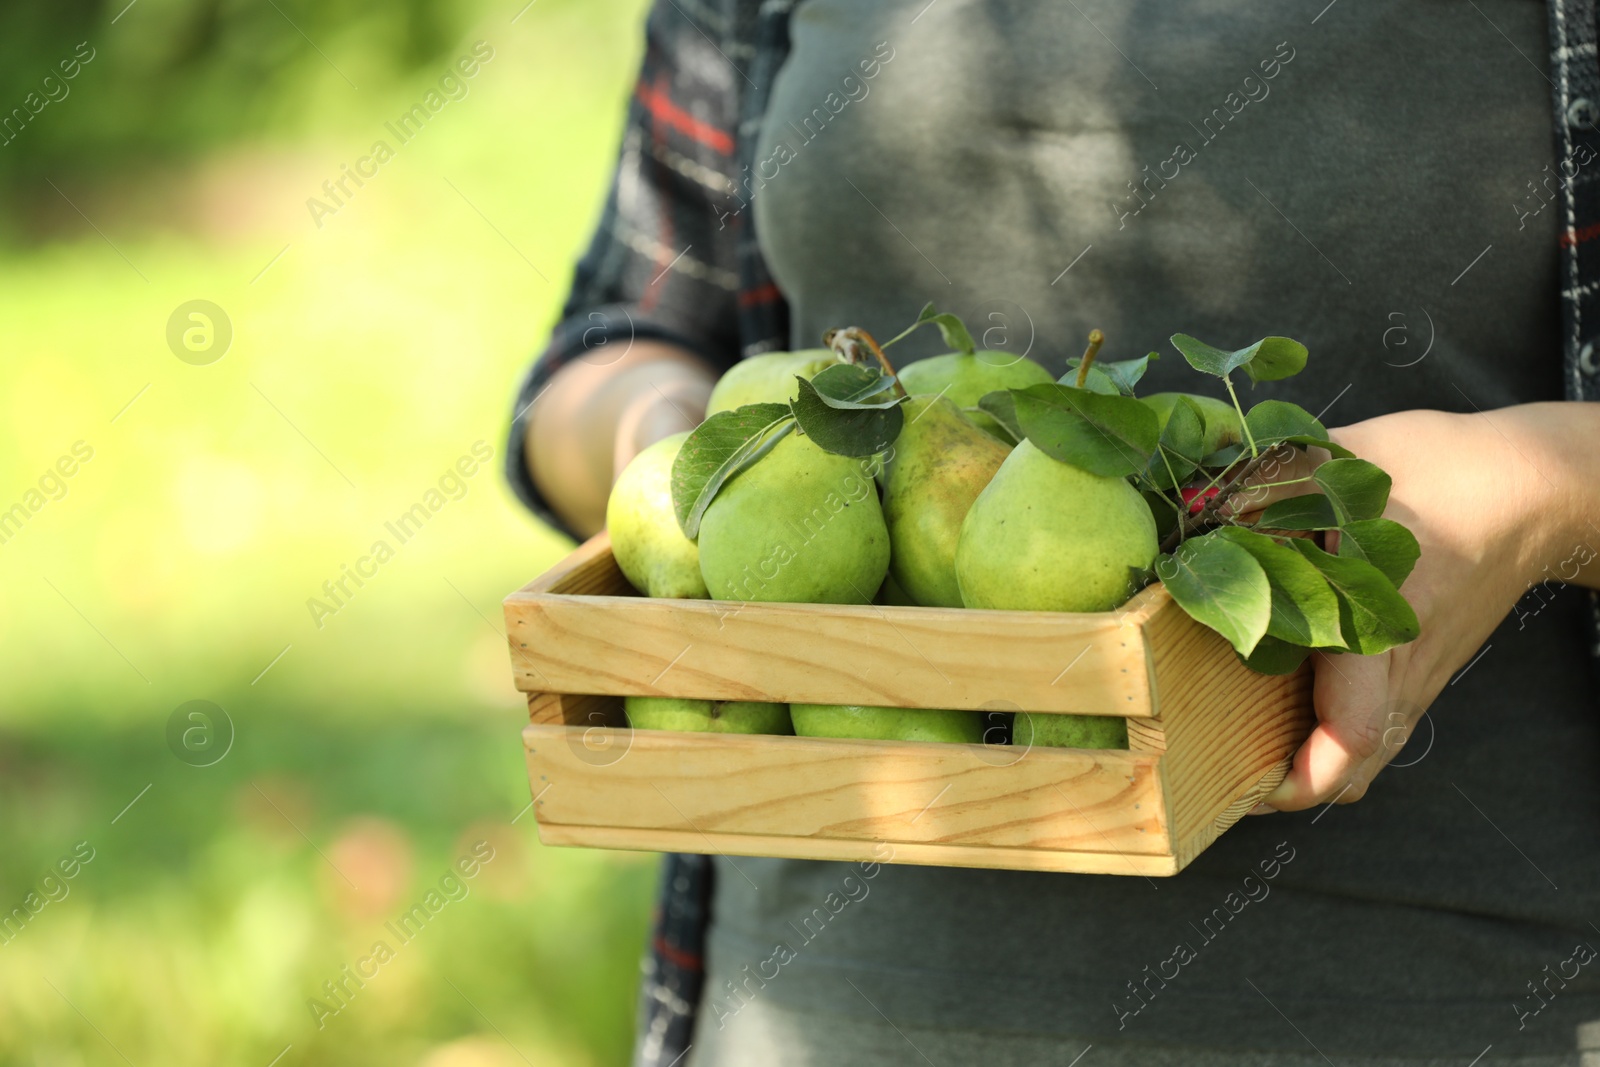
1227	730
821	848
805	787
562	709
563	641
588	570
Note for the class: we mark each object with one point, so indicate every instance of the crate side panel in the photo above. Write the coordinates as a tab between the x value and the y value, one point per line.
590	569
807	848
1228	731
828	654
1102	801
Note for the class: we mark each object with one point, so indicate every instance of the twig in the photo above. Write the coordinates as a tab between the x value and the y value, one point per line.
847	342
1213	507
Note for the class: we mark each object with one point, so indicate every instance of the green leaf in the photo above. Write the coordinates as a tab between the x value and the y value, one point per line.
1373	616
716	450
1001	406
1272	656
1313	511
1164	510
1000	430
1268	360
1357	489
1339	451
1203	357
1182	438
1305	610
954	330
1272	421
1226	456
1274	358
1384	543
1185	431
1111	436
1221	586
1129	372
856	430
853	386
955	333
1096	381
1119	377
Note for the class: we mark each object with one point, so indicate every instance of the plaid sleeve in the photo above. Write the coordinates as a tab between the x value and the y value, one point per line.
675	258
664	262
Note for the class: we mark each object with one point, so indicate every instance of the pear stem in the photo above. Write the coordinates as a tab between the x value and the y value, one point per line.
848	343
1096	339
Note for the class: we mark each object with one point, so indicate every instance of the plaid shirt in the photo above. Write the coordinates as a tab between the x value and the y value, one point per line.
675	258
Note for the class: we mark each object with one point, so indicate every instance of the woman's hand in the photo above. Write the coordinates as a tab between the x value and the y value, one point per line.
594	417
1498	501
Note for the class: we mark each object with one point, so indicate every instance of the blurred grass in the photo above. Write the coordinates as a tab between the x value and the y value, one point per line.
368	355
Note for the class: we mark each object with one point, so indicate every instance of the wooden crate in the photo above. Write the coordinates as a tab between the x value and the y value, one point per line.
1207	738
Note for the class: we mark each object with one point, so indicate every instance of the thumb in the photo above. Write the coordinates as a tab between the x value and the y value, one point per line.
1350	694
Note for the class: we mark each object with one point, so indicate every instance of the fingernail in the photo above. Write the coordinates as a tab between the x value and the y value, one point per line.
1279	796
1262	809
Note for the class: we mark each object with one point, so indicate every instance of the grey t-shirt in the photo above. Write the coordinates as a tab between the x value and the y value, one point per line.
1367	177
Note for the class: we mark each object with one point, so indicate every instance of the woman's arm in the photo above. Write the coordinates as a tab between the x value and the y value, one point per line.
1500	501
652	318
593	419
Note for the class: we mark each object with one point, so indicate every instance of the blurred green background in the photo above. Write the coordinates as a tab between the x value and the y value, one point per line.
367	355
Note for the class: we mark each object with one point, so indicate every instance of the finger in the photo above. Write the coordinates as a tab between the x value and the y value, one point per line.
1285	473
1349	693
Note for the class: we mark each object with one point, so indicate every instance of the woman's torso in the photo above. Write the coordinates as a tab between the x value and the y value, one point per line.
1358	179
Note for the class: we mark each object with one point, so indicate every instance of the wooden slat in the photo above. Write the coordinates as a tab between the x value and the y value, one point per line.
1228	731
557	709
814	848
823	653
588	570
787	788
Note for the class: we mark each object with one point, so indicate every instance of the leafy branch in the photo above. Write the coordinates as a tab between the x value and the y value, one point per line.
1266	586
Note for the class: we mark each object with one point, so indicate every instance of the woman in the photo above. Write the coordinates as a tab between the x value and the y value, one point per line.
1378	181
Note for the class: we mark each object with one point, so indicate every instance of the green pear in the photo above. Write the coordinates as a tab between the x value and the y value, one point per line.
887	724
940	463
767	378
964	378
1069	731
707	716
1221	420
646	539
800	525
1047	536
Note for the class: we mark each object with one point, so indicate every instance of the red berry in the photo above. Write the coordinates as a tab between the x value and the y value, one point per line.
1197	498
